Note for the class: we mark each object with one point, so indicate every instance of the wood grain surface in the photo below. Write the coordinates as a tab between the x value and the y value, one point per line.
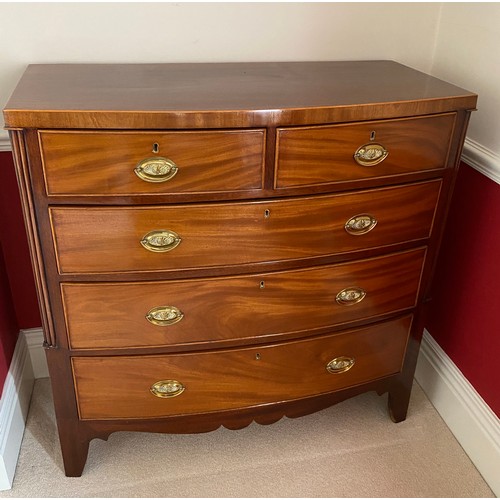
114	315
316	155
86	163
142	96
118	386
90	240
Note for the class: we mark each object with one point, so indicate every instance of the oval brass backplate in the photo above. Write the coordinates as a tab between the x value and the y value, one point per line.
370	154
360	224
164	315
156	169
162	240
167	389
340	364
350	296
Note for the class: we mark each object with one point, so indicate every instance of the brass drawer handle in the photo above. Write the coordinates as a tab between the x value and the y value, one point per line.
350	296
164	315
163	240
167	389
360	224
370	154
156	169
340	364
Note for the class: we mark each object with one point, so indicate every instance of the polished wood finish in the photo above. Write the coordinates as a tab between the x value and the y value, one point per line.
119	387
226	95
105	316
266	184
89	163
93	240
318	155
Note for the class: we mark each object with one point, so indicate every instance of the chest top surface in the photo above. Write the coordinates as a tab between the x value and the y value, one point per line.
224	94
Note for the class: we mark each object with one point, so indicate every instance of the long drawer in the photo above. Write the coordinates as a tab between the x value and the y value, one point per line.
337	153
131	163
127	239
155	386
117	315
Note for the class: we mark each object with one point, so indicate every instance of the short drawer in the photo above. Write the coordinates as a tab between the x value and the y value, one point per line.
180	237
327	154
123	386
131	163
115	315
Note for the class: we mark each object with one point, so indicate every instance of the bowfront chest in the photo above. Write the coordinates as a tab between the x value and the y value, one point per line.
216	244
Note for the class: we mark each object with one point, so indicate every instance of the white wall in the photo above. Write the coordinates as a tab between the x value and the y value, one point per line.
168	32
459	42
468	54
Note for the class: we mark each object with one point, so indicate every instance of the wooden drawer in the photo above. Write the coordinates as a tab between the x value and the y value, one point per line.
103	163
113	315
119	386
96	240
325	154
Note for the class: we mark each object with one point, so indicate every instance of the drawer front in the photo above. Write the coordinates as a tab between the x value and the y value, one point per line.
97	163
325	154
119	386
96	240
118	315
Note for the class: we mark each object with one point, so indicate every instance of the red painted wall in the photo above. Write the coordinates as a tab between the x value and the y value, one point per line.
18	301
8	324
15	247
465	310
464	315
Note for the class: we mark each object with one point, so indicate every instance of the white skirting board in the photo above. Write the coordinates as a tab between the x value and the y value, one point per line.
470	419
14	407
4	142
34	340
482	159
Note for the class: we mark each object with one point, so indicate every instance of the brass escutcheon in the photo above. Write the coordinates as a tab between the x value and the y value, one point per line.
370	154
360	224
156	169
350	296
340	364
167	389
164	315
162	240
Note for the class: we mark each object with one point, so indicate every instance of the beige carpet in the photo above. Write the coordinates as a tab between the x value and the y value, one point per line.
349	450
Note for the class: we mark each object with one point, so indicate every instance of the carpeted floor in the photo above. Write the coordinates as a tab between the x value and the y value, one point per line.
350	450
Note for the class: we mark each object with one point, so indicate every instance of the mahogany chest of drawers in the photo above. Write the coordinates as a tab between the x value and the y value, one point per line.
216	244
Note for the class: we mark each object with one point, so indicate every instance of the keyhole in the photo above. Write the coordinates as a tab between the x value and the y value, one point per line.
372	135
156	148
267	213
262	284
257	356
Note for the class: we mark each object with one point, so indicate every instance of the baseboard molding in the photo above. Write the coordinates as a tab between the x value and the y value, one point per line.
34	340
482	159
469	418
5	143
14	407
